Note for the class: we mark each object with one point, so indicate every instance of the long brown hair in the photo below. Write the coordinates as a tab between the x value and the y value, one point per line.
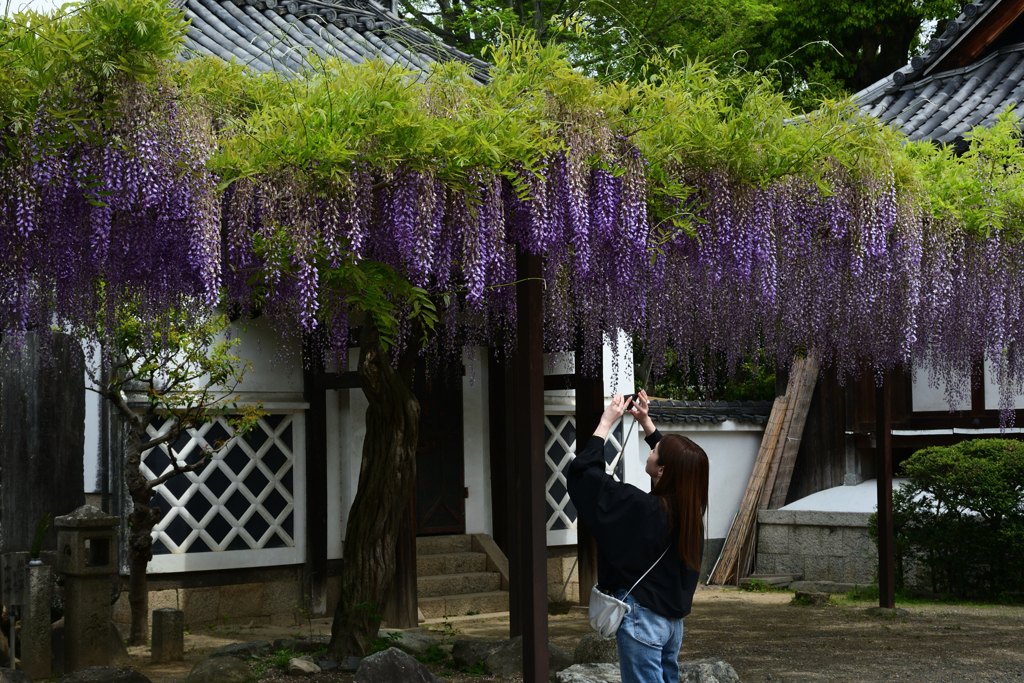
683	489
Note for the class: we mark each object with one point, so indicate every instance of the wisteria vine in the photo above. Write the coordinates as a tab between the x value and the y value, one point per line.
680	247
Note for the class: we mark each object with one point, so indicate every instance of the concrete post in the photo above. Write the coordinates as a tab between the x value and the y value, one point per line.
87	556
168	635
35	621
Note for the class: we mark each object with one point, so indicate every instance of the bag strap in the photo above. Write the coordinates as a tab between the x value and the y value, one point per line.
647	572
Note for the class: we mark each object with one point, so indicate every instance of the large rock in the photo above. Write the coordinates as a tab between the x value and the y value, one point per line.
392	666
221	670
507	660
250	650
707	671
468	651
302	666
104	674
12	676
410	641
593	649
590	673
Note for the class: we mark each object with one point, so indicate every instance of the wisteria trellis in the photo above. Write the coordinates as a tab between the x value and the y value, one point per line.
862	274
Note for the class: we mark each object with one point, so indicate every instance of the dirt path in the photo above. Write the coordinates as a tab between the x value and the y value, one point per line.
762	636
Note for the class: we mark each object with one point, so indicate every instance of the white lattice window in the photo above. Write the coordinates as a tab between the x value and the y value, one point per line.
238	510
559	450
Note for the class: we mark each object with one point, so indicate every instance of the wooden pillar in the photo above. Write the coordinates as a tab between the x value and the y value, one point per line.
513	503
314	573
883	471
402	608
589	407
528	453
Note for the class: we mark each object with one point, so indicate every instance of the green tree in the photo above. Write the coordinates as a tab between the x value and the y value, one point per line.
824	48
612	37
183	373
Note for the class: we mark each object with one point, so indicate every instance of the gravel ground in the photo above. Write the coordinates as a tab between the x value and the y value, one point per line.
761	635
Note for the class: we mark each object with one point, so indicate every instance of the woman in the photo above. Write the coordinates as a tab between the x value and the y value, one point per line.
633	529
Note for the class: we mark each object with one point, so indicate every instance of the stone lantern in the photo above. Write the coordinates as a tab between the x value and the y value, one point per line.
87	556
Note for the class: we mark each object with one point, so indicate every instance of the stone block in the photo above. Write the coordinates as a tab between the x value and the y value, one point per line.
86	621
773	538
776	517
765	563
788	564
841	568
865	571
35	623
241	602
807	540
167	599
816	568
283	597
168	635
200	605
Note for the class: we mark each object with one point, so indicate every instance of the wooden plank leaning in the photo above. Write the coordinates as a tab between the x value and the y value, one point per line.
802	381
739	535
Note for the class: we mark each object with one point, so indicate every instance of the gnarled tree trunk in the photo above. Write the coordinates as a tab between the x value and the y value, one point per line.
140	539
386	480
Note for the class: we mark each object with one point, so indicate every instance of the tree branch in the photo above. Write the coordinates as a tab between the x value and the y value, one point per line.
176	469
429	25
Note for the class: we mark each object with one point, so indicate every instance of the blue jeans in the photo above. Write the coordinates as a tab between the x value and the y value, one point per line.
648	645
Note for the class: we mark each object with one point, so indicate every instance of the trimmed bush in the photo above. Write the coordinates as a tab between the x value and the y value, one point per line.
960	518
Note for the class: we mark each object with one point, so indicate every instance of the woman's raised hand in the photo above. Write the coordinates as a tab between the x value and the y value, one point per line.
611	415
639	409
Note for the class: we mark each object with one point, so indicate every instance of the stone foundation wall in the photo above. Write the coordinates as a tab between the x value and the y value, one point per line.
822	546
264	602
561	560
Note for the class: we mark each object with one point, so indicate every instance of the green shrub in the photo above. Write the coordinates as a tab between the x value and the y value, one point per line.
960	518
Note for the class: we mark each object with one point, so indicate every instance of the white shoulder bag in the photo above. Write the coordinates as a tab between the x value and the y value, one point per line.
606	611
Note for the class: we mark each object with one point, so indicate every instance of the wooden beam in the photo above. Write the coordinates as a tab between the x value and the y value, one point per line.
336	380
883	471
315	567
980	36
531	560
560	382
589	407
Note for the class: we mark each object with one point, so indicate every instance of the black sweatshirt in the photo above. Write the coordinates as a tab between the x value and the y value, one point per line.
631	530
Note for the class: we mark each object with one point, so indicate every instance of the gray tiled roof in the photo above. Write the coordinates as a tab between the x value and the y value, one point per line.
941	106
275	35
710	412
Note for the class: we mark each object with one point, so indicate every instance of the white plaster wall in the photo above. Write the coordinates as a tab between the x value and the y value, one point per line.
931	397
732	449
476	442
992	392
276	375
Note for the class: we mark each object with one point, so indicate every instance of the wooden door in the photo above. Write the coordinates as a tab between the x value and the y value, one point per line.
440	486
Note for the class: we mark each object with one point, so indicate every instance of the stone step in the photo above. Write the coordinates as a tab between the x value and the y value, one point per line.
450	563
460	605
457	584
439	545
